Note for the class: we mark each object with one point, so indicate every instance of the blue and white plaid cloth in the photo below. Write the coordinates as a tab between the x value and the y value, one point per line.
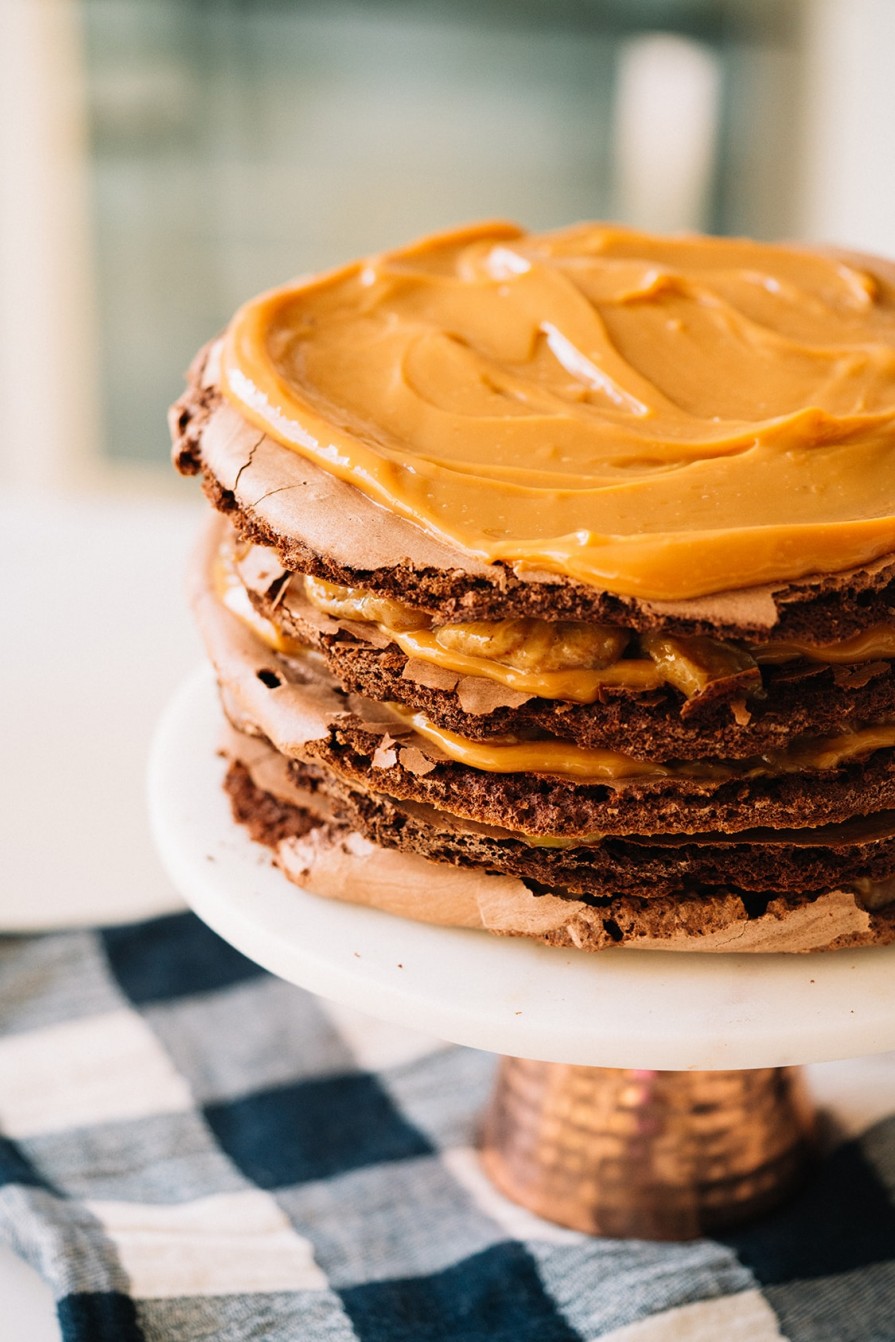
190	1148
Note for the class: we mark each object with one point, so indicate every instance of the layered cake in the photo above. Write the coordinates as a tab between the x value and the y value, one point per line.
550	585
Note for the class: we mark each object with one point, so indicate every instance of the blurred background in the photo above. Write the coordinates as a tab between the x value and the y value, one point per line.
164	159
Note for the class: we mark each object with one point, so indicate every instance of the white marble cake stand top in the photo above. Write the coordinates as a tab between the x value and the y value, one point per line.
645	1009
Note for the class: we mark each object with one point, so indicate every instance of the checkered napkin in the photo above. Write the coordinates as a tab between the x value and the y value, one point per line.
190	1148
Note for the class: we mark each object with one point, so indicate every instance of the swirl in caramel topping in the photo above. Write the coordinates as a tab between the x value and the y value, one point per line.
662	418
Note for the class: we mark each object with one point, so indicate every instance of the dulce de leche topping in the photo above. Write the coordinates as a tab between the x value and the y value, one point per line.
662	418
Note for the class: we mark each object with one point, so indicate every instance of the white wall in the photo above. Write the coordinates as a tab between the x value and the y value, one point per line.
848	186
47	346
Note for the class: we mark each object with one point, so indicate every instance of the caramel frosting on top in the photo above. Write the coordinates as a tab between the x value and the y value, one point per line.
659	418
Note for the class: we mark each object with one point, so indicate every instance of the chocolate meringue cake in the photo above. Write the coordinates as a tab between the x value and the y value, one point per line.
550	585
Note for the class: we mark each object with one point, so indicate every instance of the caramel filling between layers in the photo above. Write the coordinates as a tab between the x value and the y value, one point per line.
574	661
585	764
662	418
231	593
566	660
547	755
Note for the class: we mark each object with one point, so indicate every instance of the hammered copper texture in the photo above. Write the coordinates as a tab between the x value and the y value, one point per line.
646	1154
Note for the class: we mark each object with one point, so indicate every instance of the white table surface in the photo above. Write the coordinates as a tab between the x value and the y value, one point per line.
96	635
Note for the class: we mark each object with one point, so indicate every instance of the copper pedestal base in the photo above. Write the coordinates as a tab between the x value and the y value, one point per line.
651	1155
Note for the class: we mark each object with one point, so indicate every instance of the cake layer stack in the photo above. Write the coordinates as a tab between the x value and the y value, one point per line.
551	590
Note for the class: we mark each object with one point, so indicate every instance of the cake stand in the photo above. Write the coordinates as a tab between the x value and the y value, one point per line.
641	1093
